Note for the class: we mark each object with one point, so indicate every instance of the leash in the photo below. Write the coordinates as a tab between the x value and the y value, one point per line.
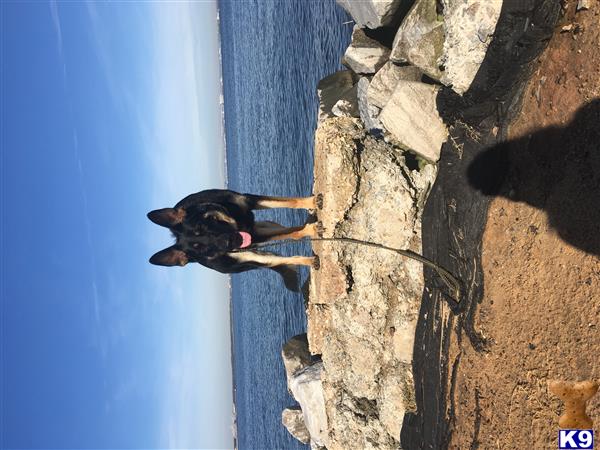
449	280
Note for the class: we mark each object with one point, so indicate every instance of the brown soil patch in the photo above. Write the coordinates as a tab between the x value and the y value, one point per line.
541	247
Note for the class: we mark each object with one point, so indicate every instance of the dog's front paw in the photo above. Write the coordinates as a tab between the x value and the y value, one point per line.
316	262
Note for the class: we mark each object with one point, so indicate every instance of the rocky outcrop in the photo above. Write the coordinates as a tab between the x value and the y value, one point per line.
420	39
365	55
293	421
411	116
374	174
364	302
371	13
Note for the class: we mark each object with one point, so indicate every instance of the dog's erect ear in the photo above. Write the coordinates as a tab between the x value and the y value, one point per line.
169	257
167	217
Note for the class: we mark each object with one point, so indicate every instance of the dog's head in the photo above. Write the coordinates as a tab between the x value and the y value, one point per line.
202	233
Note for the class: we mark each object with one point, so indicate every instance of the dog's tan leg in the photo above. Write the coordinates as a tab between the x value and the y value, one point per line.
286	202
308	230
273	260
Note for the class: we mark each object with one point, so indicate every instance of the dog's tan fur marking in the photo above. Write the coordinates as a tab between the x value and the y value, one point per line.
221	216
309	230
287	202
272	260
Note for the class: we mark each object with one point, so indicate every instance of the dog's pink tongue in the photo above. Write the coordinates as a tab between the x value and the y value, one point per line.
246	239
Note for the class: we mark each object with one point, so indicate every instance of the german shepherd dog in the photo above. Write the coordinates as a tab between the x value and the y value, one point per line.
216	228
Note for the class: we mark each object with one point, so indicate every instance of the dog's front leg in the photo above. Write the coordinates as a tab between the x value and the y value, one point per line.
266	260
264	202
270	231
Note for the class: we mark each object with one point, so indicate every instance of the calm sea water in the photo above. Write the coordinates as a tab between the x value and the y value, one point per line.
274	53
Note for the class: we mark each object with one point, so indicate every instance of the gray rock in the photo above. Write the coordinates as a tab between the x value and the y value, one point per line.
384	82
307	389
368	112
411	116
583	4
371	13
469	26
365	55
333	88
420	39
295	355
293	420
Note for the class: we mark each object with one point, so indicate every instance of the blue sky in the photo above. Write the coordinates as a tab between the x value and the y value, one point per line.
109	111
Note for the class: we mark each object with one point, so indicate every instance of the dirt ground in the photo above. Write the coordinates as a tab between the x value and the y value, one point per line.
541	248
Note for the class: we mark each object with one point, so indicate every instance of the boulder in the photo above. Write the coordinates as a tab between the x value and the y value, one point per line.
295	355
307	389
368	112
371	297
371	13
420	39
334	87
469	26
293	420
412	118
384	82
365	55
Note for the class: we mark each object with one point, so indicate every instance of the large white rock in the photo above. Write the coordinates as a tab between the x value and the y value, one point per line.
385	81
365	55
420	38
469	26
307	389
411	116
371	13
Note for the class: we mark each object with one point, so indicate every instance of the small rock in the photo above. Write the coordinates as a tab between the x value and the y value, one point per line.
583	4
365	55
411	116
384	82
371	13
295	355
293	420
347	106
333	88
420	39
566	28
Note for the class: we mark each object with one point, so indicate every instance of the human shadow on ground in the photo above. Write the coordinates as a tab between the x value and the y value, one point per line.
557	170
